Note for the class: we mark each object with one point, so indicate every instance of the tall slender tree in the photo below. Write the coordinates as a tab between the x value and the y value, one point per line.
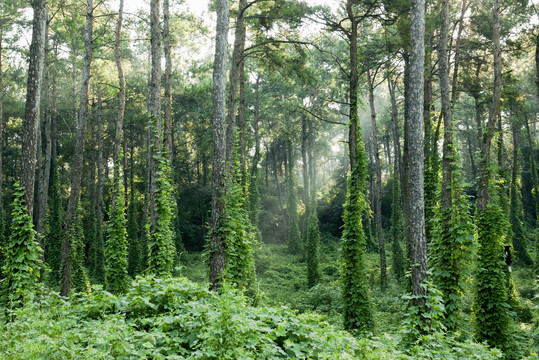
33	101
78	159
414	138
217	245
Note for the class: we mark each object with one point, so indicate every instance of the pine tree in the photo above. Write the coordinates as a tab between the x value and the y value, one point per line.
399	260
134	246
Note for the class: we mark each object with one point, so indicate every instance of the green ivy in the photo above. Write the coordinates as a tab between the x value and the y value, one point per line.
452	247
294	235
517	234
21	255
490	304
116	279
356	307
161	247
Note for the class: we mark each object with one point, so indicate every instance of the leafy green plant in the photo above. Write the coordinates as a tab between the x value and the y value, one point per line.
116	266
452	247
490	304
161	247
21	255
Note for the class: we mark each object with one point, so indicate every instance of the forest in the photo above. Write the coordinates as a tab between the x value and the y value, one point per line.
269	179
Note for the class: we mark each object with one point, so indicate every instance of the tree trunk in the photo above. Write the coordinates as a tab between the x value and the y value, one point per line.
235	68
414	128
155	105
378	186
217	245
168	78
33	99
483	196
454	91
44	174
443	70
121	102
78	158
100	184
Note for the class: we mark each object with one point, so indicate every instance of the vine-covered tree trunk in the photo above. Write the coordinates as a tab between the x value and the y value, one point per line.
33	99
78	156
217	245
121	95
356	305
378	185
490	305
156	139
443	70
414	128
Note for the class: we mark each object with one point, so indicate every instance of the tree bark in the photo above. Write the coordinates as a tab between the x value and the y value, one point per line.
378	185
235	68
168	79
33	99
414	129
78	157
44	173
217	245
443	74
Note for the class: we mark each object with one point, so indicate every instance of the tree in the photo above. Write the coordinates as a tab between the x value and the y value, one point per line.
415	204
217	245
356	305
116	251
33	100
490	303
78	158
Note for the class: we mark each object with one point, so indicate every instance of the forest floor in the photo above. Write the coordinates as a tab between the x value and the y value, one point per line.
179	318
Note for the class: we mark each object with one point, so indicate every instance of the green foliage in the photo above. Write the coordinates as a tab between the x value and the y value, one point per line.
161	247
294	235
238	236
418	323
21	255
116	279
312	245
356	308
452	247
432	194
490	304
172	319
79	275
